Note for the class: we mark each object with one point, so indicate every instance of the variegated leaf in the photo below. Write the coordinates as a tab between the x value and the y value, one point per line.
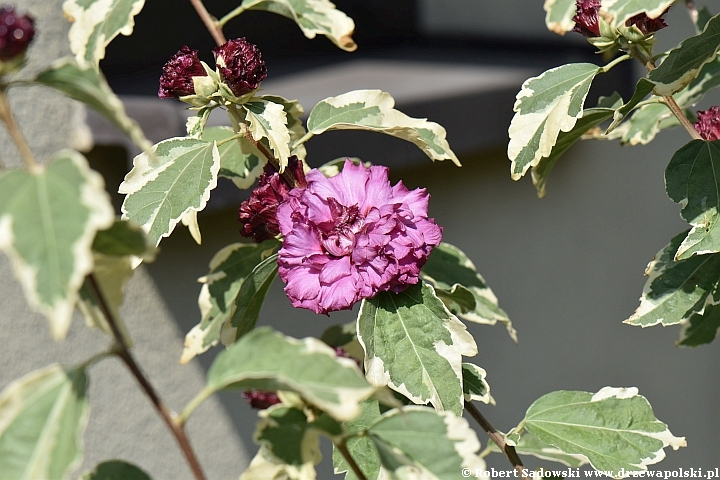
546	105
164	189
559	17
240	160
268	120
360	446
373	110
622	10
529	444
48	220
313	17
294	112
96	23
475	388
702	327
414	345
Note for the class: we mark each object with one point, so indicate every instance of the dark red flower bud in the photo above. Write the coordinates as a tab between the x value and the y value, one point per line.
586	19
258	214
646	24
708	124
16	32
260	399
240	65
177	77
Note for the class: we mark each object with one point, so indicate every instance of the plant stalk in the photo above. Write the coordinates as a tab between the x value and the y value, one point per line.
12	127
498	438
213	26
167	415
342	448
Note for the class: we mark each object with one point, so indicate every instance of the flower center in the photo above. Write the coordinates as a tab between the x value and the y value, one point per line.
338	236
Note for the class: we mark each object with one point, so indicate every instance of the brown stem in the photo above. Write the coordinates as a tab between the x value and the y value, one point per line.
498	438
210	22
127	358
692	11
7	117
342	448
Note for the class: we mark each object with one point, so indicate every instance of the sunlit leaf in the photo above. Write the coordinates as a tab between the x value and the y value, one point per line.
267	360
701	328
42	418
530	445
675	289
559	17
373	110
414	345
622	10
162	189
614	428
240	160
692	179
313	17
48	220
294	112
475	388
96	23
683	64
463	290
546	105
267	120
232	293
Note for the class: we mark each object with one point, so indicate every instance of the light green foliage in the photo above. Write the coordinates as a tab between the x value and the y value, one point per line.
90	87
417	442
475	388
116	470
268	120
48	220
124	238
622	10
644	124
373	110
559	17
232	295
96	23
463	290
614	428
42	418
529	444
546	105
170	185
313	17
293	111
676	289
683	64
266	360
691	179
414	345
362	448
702	327
240	160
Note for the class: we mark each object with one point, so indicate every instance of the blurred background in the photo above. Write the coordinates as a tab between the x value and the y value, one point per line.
568	269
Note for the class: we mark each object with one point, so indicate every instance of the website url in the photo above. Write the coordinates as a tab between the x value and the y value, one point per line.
707	474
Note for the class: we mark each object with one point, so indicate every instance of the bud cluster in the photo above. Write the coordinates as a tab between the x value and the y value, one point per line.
240	70
16	33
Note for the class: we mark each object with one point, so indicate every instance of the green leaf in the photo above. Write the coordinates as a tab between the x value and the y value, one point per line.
42	419
545	106
124	238
111	274
171	184
90	87
707	79
232	293
684	62
475	388
463	290
361	448
559	17
268	120
418	442
96	23
294	112
675	290
414	345
644	124
614	428
692	180
530	445
240	160
622	10
642	90
701	327
48	220
116	470
267	360
373	110
313	17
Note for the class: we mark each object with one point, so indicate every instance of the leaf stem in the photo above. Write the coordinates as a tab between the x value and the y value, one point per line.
213	26
302	140
123	352
7	117
498	438
231	15
342	448
194	403
610	65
